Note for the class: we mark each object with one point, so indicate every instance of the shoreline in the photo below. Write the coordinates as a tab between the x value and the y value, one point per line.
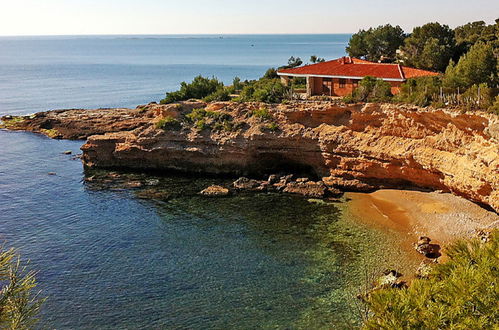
406	215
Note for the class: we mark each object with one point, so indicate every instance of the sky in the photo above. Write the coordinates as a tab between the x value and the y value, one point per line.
82	17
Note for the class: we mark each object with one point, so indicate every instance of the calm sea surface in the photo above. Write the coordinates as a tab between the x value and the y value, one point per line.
161	256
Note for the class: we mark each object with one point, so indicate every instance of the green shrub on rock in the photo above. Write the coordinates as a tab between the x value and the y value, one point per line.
168	123
462	293
199	88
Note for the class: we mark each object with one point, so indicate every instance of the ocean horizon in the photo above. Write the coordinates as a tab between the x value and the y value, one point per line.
39	73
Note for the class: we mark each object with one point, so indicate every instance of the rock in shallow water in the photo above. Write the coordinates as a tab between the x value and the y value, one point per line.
215	191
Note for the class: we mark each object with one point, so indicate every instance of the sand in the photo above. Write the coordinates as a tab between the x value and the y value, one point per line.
409	214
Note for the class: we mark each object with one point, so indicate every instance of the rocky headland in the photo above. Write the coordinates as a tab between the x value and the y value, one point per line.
358	147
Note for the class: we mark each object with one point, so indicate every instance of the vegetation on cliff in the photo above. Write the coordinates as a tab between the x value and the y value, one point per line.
459	294
468	55
19	306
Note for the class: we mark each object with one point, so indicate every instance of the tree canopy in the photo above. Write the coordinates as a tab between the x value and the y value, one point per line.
477	66
469	34
376	43
429	47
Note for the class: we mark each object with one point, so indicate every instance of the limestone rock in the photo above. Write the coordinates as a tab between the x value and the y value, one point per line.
427	249
215	191
307	189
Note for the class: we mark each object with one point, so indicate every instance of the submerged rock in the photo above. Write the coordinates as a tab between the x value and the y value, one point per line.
246	184
152	194
215	191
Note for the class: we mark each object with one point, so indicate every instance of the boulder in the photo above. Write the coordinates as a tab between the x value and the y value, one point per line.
427	249
308	189
215	191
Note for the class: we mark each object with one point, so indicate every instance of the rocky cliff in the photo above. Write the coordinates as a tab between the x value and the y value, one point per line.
351	147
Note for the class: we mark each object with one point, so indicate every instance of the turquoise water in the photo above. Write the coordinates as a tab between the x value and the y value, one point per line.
161	256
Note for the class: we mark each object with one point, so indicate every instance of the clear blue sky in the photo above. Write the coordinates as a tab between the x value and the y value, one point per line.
40	17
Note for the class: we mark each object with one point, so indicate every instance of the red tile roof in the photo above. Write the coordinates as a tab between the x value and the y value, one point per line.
357	68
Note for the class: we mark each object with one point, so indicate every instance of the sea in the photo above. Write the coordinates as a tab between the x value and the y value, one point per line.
110	255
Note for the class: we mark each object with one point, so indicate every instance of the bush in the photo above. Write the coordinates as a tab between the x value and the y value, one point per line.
218	121
222	94
370	89
168	123
270	74
459	294
420	91
199	88
478	97
265	90
494	108
262	113
18	305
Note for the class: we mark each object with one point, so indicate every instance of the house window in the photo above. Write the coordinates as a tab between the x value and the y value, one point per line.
343	83
355	83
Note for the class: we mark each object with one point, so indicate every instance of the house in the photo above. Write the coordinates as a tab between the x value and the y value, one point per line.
341	76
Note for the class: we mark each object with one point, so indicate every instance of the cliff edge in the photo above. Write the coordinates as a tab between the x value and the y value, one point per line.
351	147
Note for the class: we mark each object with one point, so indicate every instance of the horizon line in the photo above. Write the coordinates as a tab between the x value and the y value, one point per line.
167	34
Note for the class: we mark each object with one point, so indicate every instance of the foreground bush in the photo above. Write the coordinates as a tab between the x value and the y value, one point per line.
462	293
18	305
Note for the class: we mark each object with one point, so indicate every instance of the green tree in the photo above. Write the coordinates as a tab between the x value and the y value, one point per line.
469	34
429	47
376	43
292	63
477	66
315	59
19	306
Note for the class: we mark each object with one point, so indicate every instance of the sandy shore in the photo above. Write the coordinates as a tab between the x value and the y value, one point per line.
410	214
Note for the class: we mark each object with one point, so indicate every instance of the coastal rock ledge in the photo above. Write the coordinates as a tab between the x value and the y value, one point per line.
358	147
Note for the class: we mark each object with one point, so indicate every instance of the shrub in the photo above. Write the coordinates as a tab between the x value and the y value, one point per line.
494	108
221	94
19	306
168	123
270	74
478	97
272	127
199	88
420	91
459	294
370	89
262	113
265	90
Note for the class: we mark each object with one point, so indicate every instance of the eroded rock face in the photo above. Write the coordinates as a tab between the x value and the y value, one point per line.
355	147
349	147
